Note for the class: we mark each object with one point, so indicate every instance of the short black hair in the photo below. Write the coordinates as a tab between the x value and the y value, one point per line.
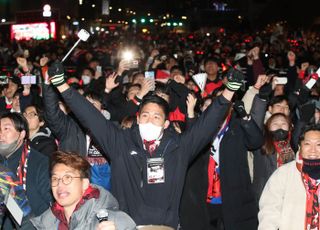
176	67
156	100
20	122
93	95
211	59
278	99
308	128
88	68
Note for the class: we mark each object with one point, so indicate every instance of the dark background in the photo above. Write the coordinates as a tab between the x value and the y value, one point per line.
254	13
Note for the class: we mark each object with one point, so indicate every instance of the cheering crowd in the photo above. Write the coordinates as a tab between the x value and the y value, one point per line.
214	130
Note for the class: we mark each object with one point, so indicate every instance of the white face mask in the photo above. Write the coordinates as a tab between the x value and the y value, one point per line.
86	79
150	131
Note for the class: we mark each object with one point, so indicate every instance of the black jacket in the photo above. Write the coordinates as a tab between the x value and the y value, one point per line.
67	130
38	188
115	103
43	142
148	204
239	208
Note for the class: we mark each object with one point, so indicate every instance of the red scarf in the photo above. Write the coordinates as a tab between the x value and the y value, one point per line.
284	151
312	187
58	210
151	146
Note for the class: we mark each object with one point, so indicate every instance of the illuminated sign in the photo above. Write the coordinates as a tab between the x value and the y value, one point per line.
37	31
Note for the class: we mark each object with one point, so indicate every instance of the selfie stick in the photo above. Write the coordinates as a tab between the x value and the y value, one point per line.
83	36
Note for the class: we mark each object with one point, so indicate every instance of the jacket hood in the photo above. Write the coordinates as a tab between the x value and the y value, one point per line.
43	132
105	201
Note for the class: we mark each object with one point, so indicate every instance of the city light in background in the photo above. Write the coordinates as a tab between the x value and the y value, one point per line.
111	15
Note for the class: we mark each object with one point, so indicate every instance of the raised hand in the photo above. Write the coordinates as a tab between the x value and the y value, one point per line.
21	61
147	86
239	109
56	74
262	79
123	66
235	79
111	82
304	66
191	104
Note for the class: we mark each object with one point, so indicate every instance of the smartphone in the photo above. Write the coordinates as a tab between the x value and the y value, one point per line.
281	80
28	79
149	74
134	64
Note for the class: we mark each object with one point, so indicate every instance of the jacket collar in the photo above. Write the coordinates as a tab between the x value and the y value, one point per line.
168	142
58	210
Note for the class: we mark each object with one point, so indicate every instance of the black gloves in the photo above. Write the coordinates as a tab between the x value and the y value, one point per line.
235	79
238	106
56	73
265	91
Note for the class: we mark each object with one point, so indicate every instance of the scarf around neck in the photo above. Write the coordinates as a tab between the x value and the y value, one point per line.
58	210
312	221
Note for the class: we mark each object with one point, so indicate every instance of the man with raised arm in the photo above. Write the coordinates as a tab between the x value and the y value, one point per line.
149	161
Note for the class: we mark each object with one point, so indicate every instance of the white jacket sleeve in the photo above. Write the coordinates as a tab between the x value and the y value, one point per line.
271	201
248	98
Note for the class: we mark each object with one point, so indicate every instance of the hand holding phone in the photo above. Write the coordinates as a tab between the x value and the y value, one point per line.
312	81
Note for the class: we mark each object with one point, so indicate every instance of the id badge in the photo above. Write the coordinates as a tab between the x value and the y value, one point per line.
155	170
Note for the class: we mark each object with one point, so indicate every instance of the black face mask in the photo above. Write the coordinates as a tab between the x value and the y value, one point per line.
280	135
312	168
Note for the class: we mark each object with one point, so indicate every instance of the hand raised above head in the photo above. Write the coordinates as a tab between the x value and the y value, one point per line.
56	73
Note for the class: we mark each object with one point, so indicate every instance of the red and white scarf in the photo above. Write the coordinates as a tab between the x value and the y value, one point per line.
312	221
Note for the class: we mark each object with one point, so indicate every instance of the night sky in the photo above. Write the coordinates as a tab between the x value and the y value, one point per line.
256	12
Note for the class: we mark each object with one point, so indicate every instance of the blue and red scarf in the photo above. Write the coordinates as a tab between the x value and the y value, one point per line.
214	186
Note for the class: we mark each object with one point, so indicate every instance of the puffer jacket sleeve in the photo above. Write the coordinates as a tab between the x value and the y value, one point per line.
271	201
206	126
55	118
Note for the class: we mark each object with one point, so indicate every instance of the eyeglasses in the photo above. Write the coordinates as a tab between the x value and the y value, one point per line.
30	115
66	179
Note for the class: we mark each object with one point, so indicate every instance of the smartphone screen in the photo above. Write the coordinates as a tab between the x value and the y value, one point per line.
28	79
149	74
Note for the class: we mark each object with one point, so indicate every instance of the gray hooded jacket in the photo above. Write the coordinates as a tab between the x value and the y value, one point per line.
85	217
